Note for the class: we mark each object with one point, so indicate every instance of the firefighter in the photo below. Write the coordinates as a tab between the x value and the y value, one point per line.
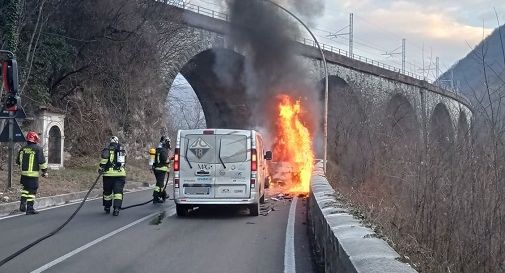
161	168
31	160
112	166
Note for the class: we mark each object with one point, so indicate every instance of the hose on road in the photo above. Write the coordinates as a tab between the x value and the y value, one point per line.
19	252
151	200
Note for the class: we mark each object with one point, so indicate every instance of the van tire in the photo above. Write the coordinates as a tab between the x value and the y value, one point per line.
181	210
254	209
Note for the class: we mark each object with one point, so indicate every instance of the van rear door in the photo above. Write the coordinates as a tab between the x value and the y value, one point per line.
198	165
233	171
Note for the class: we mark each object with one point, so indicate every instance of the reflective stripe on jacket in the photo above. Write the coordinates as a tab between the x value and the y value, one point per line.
31	160
109	162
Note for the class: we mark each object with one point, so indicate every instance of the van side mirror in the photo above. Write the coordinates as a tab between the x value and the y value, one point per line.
268	155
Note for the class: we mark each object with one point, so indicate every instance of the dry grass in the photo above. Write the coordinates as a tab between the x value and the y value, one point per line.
78	175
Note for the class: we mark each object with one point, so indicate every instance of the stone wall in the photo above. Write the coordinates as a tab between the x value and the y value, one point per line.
342	242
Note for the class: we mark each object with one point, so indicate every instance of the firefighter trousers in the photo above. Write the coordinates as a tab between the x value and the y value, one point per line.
160	184
113	191
29	190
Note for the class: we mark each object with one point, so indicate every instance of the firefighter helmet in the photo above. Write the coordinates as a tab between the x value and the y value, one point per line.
114	139
32	137
165	141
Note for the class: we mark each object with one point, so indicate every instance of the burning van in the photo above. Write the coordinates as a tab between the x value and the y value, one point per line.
283	173
219	167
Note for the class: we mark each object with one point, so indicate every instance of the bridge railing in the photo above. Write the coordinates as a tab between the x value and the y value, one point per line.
195	8
223	16
360	58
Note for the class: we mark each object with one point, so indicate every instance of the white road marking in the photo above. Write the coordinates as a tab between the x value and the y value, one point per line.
94	242
74	202
289	248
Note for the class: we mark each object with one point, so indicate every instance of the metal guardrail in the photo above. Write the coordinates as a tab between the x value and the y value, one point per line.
197	9
360	58
223	16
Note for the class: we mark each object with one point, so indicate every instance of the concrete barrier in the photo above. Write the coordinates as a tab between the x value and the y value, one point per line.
342	243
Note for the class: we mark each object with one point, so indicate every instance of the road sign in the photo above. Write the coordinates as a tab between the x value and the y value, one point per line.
18	134
20	113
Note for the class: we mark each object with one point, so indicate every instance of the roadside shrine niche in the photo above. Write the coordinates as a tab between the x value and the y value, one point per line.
50	125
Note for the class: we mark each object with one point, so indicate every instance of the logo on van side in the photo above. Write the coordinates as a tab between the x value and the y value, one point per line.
199	148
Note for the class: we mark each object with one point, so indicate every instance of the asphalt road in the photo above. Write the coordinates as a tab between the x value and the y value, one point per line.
152	239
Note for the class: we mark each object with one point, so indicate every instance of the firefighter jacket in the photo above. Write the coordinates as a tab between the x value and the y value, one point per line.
161	160
31	160
112	160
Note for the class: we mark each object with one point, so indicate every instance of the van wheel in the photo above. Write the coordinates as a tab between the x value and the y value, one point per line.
262	199
181	210
254	209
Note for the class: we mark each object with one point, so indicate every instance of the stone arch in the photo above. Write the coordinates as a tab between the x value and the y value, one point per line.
347	147
55	151
216	77
463	128
441	127
401	117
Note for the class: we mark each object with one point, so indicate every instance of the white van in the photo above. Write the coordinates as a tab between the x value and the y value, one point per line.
219	167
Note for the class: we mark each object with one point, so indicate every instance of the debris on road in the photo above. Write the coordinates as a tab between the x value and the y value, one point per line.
275	198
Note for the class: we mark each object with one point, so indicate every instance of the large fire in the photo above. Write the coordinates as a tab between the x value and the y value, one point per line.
293	143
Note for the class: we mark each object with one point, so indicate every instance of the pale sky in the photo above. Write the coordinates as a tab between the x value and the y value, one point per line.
445	28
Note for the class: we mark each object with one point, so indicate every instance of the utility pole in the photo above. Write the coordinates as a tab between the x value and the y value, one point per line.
437	64
452	79
9	110
351	34
403	55
326	80
10	152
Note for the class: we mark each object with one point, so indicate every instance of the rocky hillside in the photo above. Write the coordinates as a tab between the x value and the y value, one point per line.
485	62
97	61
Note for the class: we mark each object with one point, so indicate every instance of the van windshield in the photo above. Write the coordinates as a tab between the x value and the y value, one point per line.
233	148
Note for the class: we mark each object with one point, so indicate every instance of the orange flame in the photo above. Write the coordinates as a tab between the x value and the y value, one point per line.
293	143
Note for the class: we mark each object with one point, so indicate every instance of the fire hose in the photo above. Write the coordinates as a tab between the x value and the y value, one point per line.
19	252
147	202
32	244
